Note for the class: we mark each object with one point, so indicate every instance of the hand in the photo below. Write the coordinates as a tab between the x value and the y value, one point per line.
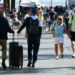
13	32
17	32
69	36
53	35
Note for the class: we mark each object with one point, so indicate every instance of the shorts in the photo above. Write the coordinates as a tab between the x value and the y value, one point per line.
59	40
72	36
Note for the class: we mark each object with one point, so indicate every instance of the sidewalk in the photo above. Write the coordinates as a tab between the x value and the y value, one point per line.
47	64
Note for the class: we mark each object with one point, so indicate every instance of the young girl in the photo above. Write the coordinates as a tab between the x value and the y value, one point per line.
58	30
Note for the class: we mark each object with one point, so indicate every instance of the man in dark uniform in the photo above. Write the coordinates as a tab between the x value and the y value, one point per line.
4	29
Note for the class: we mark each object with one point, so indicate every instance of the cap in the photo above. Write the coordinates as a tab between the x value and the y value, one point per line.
34	10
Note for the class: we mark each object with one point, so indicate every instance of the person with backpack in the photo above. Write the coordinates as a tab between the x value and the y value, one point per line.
4	29
32	25
58	30
72	30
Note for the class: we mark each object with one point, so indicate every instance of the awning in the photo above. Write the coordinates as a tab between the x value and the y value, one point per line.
27	3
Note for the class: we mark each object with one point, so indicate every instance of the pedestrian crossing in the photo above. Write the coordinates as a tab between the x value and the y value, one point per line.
46	43
47	63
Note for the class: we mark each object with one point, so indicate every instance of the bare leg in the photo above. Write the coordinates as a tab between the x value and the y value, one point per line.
56	49
61	49
73	48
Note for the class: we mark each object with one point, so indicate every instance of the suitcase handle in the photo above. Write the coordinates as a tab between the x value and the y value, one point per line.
13	37
18	38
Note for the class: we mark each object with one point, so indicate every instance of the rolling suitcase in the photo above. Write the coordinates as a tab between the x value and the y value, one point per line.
15	55
11	51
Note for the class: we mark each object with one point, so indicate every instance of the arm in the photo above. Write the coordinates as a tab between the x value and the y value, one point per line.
52	31
8	28
66	30
70	21
23	25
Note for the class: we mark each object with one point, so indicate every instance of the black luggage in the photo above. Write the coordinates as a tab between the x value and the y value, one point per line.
15	55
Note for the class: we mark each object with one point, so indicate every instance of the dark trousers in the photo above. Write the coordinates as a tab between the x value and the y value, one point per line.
40	33
33	47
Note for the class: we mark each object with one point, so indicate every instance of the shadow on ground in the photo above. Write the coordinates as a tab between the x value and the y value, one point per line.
34	70
44	57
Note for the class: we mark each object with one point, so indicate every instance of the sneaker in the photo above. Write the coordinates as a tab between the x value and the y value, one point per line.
4	65
73	56
57	57
61	56
33	65
29	64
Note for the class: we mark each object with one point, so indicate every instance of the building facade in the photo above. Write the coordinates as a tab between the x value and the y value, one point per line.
72	3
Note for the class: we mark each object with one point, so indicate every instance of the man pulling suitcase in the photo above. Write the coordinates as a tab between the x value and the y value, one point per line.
32	25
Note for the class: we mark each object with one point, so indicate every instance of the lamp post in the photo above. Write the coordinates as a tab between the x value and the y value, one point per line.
19	2
12	4
66	4
51	3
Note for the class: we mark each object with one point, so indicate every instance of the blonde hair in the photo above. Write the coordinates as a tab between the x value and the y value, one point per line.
40	14
60	17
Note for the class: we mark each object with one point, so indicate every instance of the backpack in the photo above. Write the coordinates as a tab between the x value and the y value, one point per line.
33	26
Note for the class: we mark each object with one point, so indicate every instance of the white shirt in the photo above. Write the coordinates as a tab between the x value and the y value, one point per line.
26	16
36	17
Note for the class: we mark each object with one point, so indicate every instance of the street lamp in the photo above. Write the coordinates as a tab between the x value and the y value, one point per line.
51	3
19	2
69	1
66	4
12	4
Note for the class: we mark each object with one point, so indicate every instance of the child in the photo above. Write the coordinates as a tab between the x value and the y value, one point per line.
58	30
